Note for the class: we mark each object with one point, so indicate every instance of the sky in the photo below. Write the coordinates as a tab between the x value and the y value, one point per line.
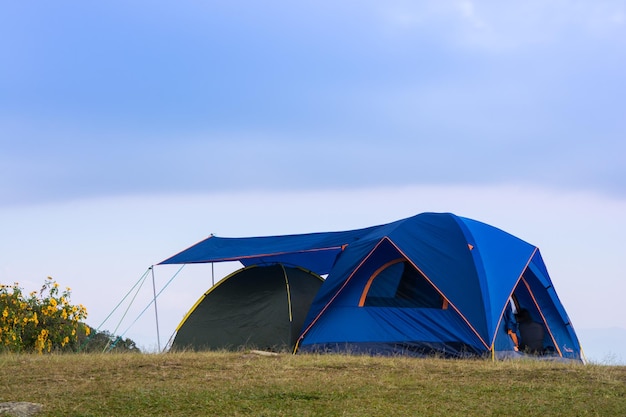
131	130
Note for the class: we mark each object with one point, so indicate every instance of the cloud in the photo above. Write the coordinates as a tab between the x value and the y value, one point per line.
209	97
468	11
433	151
497	27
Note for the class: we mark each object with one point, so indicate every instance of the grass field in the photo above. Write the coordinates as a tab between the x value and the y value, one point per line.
246	384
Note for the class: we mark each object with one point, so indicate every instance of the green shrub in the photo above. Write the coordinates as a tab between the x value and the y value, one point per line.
104	341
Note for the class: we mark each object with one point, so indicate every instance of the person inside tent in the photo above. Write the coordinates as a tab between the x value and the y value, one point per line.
531	333
510	324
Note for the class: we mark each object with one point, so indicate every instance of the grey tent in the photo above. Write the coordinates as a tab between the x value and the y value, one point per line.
261	307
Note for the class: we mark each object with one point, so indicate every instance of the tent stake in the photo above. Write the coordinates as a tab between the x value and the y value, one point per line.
156	311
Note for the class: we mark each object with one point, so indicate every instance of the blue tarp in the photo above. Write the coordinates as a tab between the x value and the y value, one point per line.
313	251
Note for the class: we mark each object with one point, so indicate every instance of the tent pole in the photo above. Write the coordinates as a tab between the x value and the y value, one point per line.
156	311
212	274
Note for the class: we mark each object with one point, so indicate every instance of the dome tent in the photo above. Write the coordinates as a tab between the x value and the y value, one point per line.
255	307
431	283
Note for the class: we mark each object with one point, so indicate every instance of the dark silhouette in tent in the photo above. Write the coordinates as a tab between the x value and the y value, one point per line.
261	307
434	283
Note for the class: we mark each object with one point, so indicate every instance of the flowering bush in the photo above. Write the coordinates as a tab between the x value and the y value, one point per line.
40	322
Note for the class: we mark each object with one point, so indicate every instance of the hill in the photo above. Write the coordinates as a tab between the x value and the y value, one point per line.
247	384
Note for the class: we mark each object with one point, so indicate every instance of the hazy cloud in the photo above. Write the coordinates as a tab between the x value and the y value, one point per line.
118	99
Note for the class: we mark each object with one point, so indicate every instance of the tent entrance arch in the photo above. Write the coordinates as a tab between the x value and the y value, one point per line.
400	284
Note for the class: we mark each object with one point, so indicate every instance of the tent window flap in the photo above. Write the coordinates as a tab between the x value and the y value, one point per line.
401	285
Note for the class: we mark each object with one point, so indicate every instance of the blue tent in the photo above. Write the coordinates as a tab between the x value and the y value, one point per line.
434	283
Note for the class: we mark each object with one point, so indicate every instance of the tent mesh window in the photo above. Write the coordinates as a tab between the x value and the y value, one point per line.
401	285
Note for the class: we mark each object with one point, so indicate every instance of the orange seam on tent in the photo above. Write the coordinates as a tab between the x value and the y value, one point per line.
374	275
335	296
444	297
445	304
543	318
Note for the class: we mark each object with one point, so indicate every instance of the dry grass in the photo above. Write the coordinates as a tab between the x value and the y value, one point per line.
244	384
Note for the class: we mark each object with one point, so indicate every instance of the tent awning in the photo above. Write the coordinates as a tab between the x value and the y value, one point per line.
313	251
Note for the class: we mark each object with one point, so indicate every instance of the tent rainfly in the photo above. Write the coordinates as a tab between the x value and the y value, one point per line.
434	283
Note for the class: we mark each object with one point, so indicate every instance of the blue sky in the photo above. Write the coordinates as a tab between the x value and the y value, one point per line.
130	131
